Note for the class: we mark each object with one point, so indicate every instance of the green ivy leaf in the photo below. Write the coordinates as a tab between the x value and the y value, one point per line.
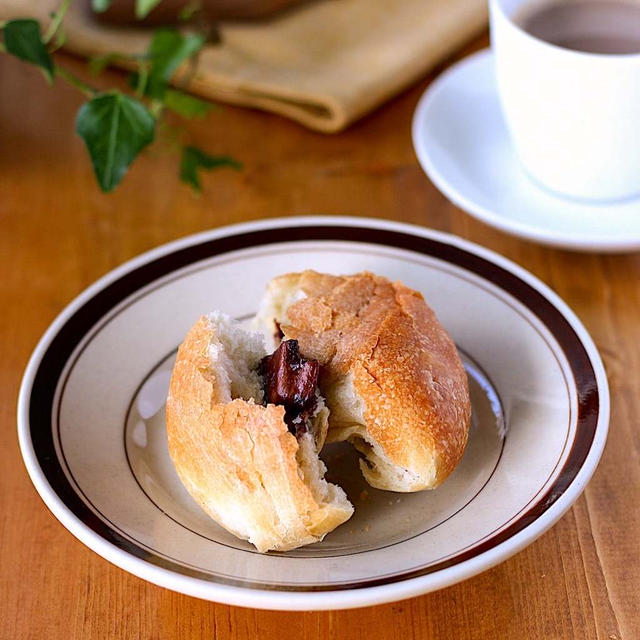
167	51
115	128
143	7
22	39
194	159
100	5
186	105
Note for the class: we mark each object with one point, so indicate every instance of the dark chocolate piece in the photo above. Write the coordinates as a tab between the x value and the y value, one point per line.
291	381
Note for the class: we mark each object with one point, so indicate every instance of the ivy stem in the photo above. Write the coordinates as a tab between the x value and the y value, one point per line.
156	108
143	77
56	20
73	80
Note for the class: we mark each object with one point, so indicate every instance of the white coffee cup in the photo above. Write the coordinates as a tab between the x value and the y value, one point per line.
574	117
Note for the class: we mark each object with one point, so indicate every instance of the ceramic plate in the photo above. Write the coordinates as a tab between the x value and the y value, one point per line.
91	420
462	142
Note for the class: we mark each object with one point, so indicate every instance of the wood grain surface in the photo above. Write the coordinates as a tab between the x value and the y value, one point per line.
58	233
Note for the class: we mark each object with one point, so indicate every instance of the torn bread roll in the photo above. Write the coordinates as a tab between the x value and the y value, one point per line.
253	468
391	375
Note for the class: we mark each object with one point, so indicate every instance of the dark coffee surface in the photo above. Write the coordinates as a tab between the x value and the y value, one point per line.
593	26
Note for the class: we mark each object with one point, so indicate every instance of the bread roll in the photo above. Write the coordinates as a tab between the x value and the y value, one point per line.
236	457
391	375
393	385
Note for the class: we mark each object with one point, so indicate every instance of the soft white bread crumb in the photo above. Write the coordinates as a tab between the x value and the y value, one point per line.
235	355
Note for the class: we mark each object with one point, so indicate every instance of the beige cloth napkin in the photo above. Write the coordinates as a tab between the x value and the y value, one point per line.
324	64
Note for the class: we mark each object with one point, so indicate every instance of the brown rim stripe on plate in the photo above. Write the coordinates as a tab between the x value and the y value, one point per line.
80	323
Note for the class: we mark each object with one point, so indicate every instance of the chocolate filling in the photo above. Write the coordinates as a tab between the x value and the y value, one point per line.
291	381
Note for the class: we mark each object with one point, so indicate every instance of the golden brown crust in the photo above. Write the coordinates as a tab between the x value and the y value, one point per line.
238	460
404	367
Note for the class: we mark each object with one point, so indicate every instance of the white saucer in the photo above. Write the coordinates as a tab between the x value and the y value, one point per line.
461	140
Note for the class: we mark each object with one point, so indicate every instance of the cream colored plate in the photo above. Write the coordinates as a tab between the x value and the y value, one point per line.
91	419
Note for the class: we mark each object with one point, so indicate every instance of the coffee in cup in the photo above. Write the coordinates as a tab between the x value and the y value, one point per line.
593	26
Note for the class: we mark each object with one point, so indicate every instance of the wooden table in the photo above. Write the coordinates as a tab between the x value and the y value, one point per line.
58	234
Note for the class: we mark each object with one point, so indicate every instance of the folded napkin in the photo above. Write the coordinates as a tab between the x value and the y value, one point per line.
324	64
